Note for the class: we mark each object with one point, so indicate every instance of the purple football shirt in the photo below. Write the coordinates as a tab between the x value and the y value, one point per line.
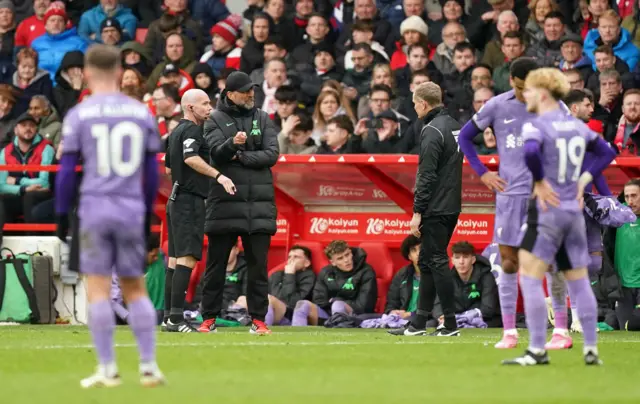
112	133
563	143
506	115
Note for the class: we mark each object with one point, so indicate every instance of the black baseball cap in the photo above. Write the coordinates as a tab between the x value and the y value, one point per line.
170	68
26	117
239	82
388	114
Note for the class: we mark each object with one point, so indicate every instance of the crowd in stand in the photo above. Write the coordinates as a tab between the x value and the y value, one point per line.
336	76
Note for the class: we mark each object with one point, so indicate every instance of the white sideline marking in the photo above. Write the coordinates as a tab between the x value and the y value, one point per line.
390	341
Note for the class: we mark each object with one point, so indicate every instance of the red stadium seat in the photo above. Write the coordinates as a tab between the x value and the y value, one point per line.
379	257
141	34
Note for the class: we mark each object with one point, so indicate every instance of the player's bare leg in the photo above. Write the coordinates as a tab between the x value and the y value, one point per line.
532	271
102	324
276	311
508	292
142	320
587	308
560	338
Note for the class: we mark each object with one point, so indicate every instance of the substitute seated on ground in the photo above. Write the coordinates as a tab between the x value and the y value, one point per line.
290	285
402	298
347	286
475	290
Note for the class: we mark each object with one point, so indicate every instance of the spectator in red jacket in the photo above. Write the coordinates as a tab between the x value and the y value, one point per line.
32	27
627	135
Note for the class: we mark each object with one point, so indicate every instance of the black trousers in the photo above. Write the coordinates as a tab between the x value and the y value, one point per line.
626	309
435	273
256	249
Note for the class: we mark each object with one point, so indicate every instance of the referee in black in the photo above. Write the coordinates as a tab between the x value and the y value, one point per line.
186	159
436	206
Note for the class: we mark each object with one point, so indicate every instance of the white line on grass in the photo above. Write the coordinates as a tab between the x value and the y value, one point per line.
214	344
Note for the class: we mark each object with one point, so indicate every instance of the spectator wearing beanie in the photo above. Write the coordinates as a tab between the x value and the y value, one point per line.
32	27
111	33
324	68
7	31
57	40
413	30
90	27
224	52
205	80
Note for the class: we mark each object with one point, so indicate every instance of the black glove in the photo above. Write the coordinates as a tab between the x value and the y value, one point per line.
62	227
147	225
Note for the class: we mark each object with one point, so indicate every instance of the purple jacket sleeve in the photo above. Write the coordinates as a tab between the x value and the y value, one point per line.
151	180
533	158
66	181
467	133
601	185
604	154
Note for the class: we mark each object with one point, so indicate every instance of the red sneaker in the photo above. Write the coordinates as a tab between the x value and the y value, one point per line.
208	326
259	328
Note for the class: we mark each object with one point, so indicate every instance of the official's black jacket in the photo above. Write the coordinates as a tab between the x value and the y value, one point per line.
252	209
438	188
401	289
357	288
480	292
235	283
291	288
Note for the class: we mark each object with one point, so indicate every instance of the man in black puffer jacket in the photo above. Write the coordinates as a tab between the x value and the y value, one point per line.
244	146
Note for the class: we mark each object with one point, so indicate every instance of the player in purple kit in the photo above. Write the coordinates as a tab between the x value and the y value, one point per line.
580	104
555	147
506	113
116	138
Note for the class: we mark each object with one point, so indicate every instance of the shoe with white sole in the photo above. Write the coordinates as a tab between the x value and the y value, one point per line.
100	379
151	376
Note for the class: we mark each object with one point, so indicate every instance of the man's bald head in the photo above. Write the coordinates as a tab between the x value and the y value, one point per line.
196	105
191	97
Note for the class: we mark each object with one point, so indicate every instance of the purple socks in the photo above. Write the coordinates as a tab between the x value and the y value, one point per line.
339	306
586	305
535	311
558	293
102	322
300	316
268	320
142	320
508	292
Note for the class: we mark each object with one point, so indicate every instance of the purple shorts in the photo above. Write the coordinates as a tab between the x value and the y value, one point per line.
557	236
511	214
111	236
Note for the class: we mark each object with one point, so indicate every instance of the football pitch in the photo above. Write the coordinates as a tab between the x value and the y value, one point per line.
314	365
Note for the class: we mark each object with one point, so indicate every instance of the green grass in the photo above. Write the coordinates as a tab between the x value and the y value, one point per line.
313	365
